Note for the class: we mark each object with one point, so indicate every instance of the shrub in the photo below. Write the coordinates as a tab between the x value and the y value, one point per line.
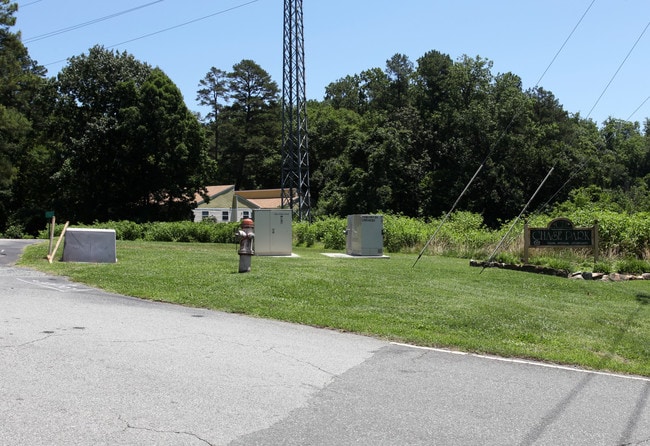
603	267
506	257
552	262
190	232
164	232
124	230
331	231
403	233
463	235
632	266
304	233
223	232
15	231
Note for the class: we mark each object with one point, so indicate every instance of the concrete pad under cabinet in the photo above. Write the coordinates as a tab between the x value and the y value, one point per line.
89	245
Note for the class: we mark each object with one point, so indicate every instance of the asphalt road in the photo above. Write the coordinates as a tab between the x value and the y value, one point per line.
79	366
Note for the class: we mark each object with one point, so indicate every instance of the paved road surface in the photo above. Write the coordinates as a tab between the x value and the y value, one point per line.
79	366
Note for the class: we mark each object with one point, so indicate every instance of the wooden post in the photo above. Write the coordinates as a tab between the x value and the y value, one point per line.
595	241
52	225
526	241
51	256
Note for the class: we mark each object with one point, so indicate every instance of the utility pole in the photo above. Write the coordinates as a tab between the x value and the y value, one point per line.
295	154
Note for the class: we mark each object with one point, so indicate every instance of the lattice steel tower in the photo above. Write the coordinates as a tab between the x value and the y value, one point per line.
295	155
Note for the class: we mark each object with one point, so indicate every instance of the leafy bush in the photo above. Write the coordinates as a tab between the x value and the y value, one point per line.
619	233
506	257
463	235
403	233
165	232
558	263
603	267
181	231
15	231
304	233
124	229
190	232
128	230
223	232
331	231
632	266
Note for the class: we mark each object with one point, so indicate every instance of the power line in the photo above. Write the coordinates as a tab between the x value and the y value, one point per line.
565	42
583	164
618	69
501	136
31	3
514	222
170	28
185	23
82	25
574	173
638	108
518	112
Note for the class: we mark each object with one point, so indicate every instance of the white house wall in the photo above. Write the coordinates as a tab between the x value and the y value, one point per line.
217	213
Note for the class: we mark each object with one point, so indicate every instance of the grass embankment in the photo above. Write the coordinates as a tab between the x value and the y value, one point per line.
440	302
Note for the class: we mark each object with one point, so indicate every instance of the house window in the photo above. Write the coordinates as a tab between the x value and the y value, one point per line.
246	214
205	214
224	215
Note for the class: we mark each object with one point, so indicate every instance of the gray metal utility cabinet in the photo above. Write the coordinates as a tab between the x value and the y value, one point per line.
273	234
365	235
89	245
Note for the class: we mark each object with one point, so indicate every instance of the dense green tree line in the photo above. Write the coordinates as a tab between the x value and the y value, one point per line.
110	138
411	137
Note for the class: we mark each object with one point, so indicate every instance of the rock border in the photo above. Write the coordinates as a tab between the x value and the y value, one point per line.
579	275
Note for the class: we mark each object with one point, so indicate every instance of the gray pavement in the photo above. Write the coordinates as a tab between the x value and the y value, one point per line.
10	250
79	366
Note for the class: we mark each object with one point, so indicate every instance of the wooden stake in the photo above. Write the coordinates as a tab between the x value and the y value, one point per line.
49	248
51	256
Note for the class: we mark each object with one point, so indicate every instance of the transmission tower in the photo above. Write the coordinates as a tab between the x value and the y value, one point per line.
295	155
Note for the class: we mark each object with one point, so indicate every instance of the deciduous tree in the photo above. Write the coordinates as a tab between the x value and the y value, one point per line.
131	148
20	81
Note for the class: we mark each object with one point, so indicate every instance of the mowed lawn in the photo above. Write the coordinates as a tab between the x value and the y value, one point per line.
441	302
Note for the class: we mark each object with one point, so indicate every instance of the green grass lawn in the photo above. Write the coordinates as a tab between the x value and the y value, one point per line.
441	302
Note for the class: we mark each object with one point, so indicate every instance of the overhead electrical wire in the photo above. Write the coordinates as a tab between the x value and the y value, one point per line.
185	23
82	25
638	108
583	164
514	222
516	114
501	135
30	3
170	28
575	172
542	207
619	68
565	42
548	67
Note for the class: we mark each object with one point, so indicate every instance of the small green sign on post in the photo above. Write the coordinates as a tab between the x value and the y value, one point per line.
50	215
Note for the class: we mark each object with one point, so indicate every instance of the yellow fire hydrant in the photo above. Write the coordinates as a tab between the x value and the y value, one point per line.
246	251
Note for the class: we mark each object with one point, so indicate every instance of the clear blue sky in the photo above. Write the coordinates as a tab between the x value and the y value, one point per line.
345	37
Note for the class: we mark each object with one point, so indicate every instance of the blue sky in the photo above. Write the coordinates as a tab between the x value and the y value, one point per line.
344	37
